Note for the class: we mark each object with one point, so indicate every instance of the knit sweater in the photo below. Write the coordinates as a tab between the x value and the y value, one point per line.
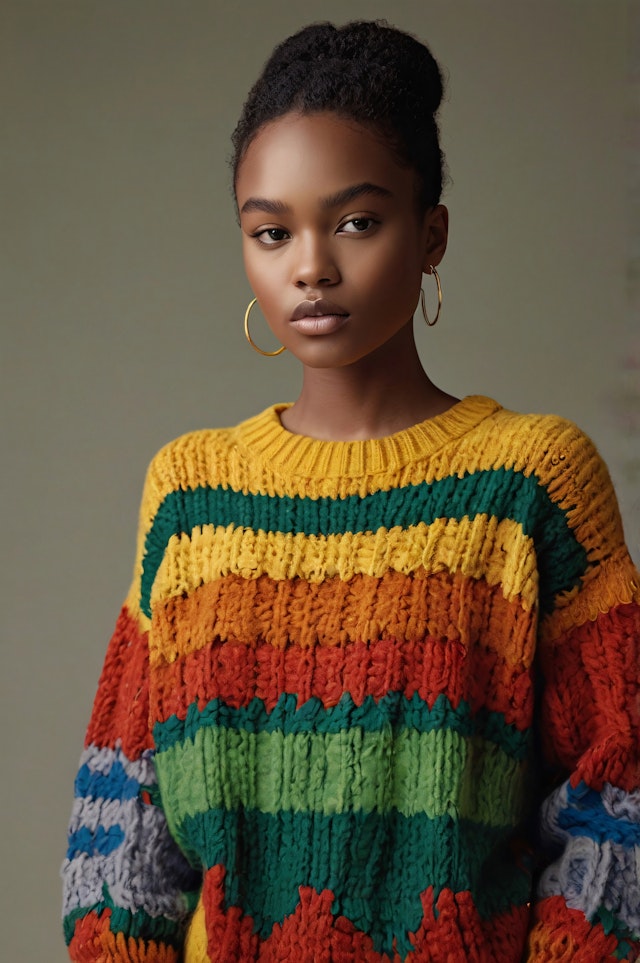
371	700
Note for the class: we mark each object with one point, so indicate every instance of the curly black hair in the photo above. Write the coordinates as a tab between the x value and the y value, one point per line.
367	71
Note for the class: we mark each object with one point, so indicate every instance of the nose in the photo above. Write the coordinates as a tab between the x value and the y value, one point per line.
314	262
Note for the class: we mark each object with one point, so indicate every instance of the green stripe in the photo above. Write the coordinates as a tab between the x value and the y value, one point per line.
440	773
501	493
372	715
376	865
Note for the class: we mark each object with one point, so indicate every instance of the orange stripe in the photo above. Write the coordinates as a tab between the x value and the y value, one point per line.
237	673
614	581
335	613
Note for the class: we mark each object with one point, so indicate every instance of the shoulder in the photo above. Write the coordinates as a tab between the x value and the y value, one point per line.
186	461
567	465
560	460
545	445
206	457
547	429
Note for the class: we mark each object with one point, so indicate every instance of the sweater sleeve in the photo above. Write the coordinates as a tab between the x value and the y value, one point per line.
587	907
128	890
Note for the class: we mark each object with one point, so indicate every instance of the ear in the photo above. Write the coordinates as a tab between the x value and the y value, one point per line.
436	227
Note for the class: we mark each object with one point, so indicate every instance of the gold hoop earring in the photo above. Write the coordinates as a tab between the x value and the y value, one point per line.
266	354
423	303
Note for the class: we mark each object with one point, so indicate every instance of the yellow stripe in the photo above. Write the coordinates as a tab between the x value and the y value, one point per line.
504	440
498	552
132	603
565	463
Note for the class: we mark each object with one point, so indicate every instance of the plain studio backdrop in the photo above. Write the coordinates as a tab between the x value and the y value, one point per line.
123	297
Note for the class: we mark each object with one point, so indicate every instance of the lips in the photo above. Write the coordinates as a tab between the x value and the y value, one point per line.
319	308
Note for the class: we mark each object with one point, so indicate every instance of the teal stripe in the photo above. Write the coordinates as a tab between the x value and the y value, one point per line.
376	865
139	925
502	493
393	711
612	924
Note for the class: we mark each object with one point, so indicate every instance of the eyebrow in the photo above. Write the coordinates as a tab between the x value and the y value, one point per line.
347	194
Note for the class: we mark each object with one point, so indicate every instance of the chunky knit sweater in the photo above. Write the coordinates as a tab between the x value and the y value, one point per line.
367	701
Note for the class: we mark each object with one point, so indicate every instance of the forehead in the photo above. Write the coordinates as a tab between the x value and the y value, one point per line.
315	155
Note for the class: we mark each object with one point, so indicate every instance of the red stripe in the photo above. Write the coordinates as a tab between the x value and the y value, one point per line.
238	673
450	930
121	706
591	705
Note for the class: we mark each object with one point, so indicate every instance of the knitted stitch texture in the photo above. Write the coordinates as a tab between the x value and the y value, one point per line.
359	697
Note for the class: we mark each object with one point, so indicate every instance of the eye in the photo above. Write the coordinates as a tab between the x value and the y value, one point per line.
357	225
270	235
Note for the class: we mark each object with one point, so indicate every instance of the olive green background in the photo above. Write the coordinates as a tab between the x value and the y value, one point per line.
123	297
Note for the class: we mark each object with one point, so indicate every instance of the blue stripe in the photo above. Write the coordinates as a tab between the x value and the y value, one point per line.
100	842
585	815
115	784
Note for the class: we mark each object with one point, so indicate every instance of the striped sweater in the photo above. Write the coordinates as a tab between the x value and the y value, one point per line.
367	700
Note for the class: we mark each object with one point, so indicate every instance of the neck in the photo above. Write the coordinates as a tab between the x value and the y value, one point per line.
379	395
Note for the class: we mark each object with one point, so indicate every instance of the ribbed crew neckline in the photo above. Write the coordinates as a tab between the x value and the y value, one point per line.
265	437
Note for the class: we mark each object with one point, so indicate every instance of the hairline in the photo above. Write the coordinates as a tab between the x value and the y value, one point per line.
378	129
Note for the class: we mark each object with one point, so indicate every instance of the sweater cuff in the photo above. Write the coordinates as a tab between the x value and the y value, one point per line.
94	942
563	935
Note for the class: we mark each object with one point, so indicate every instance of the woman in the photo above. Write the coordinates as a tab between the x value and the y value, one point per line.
373	693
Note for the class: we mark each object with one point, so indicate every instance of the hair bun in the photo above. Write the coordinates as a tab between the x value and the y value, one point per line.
365	70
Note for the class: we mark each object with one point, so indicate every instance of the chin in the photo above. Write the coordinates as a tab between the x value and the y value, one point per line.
328	355
327	363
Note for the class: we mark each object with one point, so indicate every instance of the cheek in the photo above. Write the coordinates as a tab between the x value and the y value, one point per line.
395	276
248	257
258	271
266	287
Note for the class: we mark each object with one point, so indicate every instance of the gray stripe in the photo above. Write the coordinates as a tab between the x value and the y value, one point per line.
147	870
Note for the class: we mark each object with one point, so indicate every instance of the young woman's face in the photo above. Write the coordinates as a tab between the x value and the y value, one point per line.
334	245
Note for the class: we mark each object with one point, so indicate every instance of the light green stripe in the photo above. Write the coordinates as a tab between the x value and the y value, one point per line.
437	773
